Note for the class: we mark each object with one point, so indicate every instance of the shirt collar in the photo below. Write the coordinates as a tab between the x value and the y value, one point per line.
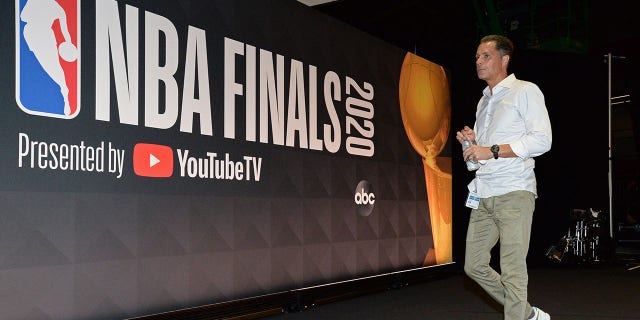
506	83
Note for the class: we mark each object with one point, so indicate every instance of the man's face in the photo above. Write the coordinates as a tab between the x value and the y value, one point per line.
489	65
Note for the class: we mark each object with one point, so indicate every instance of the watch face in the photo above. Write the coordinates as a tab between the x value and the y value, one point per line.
495	149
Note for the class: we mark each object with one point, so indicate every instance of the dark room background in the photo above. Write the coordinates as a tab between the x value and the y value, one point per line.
561	46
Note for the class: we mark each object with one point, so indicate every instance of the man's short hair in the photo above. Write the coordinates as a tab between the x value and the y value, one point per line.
503	44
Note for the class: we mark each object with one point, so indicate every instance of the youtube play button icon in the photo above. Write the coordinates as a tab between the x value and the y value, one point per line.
152	160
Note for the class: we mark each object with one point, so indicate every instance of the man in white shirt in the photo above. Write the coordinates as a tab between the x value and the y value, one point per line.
512	127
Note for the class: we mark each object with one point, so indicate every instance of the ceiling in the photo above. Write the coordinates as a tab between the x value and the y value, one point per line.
415	25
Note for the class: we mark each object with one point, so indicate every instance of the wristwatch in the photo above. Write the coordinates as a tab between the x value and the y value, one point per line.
495	149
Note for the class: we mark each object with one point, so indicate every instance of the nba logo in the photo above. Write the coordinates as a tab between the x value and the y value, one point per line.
48	57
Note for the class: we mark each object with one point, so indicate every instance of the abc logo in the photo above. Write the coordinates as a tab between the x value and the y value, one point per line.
364	198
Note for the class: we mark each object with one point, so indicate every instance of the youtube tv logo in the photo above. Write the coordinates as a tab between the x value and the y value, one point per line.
152	160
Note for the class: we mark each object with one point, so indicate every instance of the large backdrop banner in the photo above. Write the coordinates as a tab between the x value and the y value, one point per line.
159	155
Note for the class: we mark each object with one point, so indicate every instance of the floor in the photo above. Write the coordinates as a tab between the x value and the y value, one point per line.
568	292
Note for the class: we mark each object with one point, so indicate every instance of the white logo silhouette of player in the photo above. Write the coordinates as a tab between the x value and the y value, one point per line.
39	16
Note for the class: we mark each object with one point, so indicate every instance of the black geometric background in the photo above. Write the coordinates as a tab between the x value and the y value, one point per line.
80	245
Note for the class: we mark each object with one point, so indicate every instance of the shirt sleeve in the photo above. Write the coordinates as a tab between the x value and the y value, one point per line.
537	138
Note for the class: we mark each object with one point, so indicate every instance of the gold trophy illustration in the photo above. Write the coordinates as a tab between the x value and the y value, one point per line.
425	106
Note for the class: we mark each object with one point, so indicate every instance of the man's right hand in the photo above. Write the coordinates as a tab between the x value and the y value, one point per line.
466	134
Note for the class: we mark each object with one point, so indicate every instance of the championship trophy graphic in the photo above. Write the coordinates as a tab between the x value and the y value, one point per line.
425	106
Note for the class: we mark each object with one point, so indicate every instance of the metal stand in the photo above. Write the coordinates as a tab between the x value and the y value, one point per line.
583	243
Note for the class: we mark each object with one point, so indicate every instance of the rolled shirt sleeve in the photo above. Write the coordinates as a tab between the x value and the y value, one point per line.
537	138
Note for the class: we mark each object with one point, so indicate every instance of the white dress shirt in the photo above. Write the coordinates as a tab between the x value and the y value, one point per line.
515	114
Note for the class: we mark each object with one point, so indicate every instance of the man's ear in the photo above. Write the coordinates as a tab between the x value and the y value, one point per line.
505	60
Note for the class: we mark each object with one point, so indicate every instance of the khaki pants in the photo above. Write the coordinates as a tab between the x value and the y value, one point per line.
507	218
